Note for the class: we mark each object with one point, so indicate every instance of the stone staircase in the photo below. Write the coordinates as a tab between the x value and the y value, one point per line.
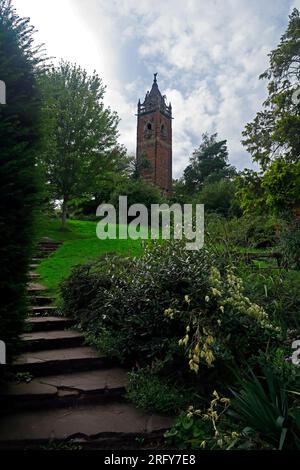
71	393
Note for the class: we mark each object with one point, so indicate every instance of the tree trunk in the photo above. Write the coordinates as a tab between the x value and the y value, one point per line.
64	212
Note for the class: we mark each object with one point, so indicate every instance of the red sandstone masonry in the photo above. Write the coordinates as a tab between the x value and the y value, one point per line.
155	143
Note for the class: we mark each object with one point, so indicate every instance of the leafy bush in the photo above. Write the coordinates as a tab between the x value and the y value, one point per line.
188	432
205	429
112	343
153	392
225	326
278	293
166	305
137	192
219	197
248	231
281	183
84	290
130	296
289	241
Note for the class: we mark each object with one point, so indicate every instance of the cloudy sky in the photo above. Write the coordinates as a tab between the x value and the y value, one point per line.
208	55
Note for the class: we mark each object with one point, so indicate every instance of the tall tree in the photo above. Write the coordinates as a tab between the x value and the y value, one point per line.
208	163
80	133
275	131
273	137
19	139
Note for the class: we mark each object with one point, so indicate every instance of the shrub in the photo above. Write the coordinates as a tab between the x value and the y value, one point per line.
166	305
137	192
223	325
278	293
188	432
130	296
248	231
205	428
85	290
219	197
289	241
112	343
153	392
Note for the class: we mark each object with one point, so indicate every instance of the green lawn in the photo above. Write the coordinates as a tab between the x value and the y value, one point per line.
80	245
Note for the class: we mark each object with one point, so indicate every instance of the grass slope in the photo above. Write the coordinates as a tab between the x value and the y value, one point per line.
80	245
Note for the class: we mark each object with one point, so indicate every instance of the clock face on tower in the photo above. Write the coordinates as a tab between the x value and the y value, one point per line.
154	139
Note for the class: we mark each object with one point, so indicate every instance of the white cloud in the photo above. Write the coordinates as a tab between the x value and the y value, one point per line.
208	55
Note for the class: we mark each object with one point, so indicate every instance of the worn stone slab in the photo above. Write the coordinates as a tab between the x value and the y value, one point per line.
35	320
89	381
65	359
90	421
42	309
80	382
53	339
47	240
73	389
35	287
40	300
33	275
33	266
48	335
33	389
57	355
47	323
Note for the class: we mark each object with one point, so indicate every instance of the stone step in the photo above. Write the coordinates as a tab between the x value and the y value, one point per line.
50	243
33	266
32	275
48	246
45	250
42	309
56	339
41	255
84	423
40	300
49	323
36	260
59	361
34	288
66	389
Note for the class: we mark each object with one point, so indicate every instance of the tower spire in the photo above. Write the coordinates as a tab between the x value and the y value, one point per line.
154	100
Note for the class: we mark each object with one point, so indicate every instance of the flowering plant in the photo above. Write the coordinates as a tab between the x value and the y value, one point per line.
223	325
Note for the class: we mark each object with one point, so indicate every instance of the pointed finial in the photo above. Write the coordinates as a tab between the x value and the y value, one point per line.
155	79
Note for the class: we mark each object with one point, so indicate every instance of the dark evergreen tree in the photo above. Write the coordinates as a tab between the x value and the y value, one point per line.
19	137
209	163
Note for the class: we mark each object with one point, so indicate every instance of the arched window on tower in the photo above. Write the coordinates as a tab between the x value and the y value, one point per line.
163	130
148	129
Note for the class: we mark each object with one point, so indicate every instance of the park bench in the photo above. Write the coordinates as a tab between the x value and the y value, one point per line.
252	256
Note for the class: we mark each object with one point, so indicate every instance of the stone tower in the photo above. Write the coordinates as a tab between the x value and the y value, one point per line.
154	139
